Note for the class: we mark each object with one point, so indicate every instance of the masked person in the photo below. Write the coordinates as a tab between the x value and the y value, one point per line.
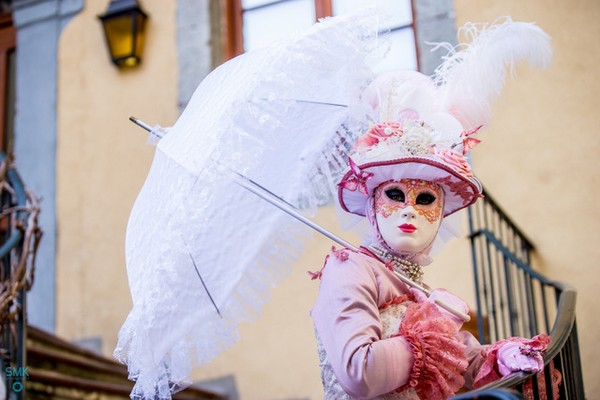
377	337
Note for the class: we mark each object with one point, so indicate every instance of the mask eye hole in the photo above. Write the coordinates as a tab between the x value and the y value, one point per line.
425	199
395	194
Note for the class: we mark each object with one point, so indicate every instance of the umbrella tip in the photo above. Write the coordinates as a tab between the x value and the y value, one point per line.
140	123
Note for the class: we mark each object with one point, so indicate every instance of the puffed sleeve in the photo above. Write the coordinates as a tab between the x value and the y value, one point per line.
347	320
440	360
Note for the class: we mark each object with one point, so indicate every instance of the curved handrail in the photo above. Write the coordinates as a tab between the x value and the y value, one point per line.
560	334
510	295
564	323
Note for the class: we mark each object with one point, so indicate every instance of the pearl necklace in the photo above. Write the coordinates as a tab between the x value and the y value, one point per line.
411	270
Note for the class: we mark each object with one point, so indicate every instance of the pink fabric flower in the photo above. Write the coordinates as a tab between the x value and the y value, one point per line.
378	133
468	141
357	180
456	160
341	255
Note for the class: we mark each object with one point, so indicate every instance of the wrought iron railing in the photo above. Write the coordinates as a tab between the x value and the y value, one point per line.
514	300
19	237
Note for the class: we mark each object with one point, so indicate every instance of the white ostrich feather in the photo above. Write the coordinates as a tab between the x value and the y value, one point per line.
473	74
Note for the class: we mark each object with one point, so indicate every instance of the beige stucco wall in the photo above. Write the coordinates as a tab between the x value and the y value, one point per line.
102	162
540	156
526	162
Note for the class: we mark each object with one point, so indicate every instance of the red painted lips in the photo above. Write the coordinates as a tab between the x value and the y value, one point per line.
407	228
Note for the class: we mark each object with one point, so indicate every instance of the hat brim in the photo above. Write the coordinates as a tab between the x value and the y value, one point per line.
459	191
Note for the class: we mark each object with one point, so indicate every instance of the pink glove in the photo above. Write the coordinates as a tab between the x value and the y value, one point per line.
446	297
512	354
518	357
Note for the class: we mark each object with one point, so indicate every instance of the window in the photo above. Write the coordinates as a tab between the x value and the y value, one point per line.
254	23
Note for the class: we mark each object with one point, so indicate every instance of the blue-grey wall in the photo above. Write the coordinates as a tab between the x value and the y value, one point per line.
39	24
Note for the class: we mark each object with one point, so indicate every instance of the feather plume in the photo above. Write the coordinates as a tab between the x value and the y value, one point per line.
472	75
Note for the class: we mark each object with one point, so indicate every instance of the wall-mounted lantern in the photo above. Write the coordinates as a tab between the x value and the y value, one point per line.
124	23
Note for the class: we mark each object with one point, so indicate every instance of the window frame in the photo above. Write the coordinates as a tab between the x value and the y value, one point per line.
233	20
8	44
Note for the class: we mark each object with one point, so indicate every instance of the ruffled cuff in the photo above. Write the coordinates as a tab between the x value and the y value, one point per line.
439	355
489	369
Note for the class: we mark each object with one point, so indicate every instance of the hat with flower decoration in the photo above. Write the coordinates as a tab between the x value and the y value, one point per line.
423	127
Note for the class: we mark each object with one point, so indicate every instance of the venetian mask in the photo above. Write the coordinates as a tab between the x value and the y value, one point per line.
408	213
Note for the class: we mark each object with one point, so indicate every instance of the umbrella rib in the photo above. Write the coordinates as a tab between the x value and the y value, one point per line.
255	184
319	102
202	280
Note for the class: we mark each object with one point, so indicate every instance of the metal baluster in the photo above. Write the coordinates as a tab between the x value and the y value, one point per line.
545	303
576	362
495	309
509	296
473	239
531	305
535	387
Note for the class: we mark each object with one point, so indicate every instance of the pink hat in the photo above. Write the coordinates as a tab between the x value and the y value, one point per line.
423	127
414	142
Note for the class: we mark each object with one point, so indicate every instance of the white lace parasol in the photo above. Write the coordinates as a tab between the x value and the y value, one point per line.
202	253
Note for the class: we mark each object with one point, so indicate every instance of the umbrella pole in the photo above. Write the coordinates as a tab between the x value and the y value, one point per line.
268	196
286	207
261	192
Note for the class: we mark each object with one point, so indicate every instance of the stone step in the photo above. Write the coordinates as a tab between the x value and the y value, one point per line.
58	369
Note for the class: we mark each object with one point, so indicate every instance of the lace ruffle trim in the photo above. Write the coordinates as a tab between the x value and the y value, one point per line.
395	301
439	359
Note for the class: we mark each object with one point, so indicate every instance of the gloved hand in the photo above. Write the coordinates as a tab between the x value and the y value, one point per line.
515	356
446	297
510	355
